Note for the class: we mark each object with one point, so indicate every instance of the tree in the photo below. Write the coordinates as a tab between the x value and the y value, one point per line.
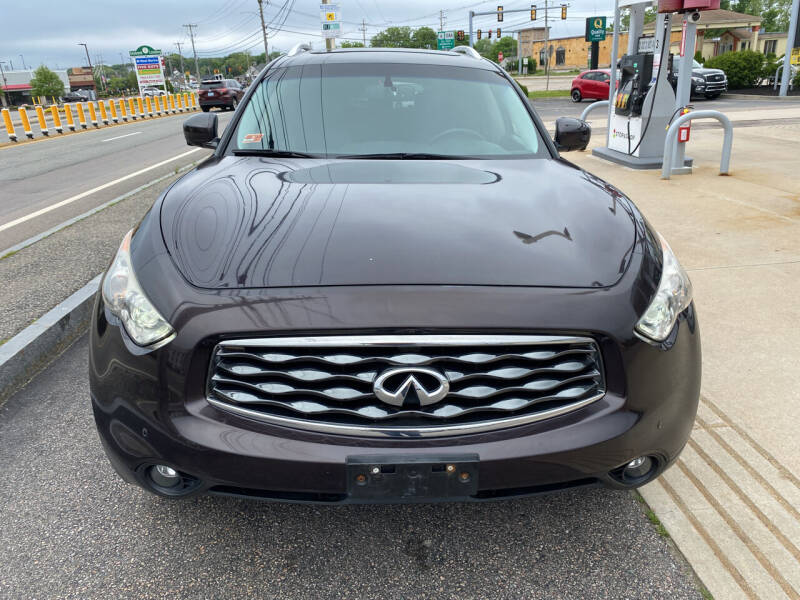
424	37
347	44
507	45
46	83
392	37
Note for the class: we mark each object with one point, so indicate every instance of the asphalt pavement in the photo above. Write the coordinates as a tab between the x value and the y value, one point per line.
38	175
73	529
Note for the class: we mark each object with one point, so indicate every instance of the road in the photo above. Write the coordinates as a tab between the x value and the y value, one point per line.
37	176
72	529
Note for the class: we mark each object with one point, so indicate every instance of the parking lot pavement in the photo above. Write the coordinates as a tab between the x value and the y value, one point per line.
731	501
72	529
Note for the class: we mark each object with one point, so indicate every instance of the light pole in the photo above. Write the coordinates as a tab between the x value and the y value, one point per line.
91	68
23	62
5	83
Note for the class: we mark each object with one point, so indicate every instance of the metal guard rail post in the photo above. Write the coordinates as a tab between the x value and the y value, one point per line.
591	107
672	136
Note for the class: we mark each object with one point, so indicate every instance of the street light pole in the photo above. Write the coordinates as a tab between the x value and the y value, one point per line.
91	69
263	30
180	53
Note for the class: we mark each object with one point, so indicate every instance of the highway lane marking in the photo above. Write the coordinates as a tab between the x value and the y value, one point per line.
71	199
119	137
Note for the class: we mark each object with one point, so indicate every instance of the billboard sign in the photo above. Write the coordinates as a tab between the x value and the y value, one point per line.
595	29
148	65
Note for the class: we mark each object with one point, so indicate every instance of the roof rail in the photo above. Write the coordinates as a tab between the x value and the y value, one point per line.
298	49
468	51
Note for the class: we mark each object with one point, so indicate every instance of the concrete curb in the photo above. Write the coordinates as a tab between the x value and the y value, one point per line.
34	347
758	97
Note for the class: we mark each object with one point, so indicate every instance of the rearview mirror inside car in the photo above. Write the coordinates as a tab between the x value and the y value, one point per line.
572	134
201	130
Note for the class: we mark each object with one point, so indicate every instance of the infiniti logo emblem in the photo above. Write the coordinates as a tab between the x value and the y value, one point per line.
395	387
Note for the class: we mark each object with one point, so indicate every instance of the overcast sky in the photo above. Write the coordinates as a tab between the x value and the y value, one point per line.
50	32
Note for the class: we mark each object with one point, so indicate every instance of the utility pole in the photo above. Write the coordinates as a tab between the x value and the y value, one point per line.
180	53
23	62
194	51
5	83
442	20
546	48
364	31
86	49
329	42
263	29
102	69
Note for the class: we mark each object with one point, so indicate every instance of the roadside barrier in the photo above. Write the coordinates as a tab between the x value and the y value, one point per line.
81	115
68	115
26	124
118	111
12	135
42	121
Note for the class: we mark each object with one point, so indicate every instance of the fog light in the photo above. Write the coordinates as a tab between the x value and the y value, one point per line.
164	476
638	467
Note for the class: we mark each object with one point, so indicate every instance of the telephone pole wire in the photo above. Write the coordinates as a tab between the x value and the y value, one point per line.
263	29
190	27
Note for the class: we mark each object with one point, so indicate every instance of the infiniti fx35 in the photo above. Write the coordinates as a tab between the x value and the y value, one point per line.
386	285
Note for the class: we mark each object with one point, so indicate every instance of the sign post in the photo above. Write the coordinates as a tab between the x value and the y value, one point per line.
595	33
147	62
445	40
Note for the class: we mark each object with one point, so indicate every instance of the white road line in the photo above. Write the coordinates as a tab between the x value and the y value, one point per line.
71	199
119	137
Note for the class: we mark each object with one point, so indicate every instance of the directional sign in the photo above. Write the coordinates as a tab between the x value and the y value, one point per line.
595	29
331	20
445	40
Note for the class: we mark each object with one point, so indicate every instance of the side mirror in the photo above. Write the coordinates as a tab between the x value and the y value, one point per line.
201	130
572	134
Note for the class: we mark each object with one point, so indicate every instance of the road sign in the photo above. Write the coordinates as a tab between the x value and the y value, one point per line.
500	57
330	18
595	29
445	40
148	66
795	58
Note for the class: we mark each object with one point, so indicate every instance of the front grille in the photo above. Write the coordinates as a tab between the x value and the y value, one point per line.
328	383
715	77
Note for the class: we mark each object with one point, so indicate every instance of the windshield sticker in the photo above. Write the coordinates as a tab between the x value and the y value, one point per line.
252	138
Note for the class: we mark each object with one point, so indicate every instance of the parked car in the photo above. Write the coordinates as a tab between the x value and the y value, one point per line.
151	90
708	83
591	85
365	298
222	93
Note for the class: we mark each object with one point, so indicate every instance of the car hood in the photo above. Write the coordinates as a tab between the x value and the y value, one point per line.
249	222
705	72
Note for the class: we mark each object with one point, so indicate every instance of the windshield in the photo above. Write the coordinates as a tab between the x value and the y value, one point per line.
210	85
366	109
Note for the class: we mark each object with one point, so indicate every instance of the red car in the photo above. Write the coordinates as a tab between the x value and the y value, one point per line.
222	93
591	85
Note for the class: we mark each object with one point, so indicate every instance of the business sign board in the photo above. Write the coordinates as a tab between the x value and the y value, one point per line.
445	40
795	58
331	20
647	45
148	63
595	29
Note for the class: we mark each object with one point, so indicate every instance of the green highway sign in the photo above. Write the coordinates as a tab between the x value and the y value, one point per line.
595	29
445	40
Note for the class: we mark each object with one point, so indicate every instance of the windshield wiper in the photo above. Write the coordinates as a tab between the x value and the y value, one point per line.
274	153
404	156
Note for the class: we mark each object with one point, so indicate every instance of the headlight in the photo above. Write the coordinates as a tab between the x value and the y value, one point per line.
673	296
124	298
698	80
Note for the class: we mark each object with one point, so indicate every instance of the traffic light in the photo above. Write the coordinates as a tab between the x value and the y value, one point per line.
479	34
460	35
533	12
563	12
499	14
490	34
498	33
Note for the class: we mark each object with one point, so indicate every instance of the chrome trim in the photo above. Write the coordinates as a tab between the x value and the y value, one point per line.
298	48
334	341
397	397
402	432
468	51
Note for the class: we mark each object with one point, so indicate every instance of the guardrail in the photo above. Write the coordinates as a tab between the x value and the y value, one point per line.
156	106
591	107
672	136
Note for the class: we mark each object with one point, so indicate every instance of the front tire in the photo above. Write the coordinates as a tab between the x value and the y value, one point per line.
234	104
576	95
205	108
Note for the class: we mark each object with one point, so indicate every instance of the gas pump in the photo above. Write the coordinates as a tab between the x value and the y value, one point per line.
635	73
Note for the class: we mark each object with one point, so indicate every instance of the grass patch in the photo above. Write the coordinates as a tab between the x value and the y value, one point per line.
706	594
651	516
548	94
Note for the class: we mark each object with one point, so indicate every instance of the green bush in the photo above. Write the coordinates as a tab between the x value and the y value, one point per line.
524	88
796	81
744	69
698	56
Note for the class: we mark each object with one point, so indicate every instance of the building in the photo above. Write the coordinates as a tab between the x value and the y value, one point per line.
718	31
81	78
17	85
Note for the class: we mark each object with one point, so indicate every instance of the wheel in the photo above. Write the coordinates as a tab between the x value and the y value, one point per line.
576	95
205	108
234	104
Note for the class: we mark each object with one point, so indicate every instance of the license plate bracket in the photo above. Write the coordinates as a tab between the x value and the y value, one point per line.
412	478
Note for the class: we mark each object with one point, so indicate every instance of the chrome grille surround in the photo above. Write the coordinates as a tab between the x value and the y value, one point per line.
324	383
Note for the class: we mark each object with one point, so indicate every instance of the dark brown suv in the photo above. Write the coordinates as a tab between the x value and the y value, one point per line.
222	93
387	285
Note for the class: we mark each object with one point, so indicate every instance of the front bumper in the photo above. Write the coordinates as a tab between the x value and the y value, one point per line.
150	409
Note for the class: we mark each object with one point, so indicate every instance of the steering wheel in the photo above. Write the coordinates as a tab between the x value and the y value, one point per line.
458	131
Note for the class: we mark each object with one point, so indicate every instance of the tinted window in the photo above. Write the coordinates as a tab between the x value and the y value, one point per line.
210	85
340	109
589	76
